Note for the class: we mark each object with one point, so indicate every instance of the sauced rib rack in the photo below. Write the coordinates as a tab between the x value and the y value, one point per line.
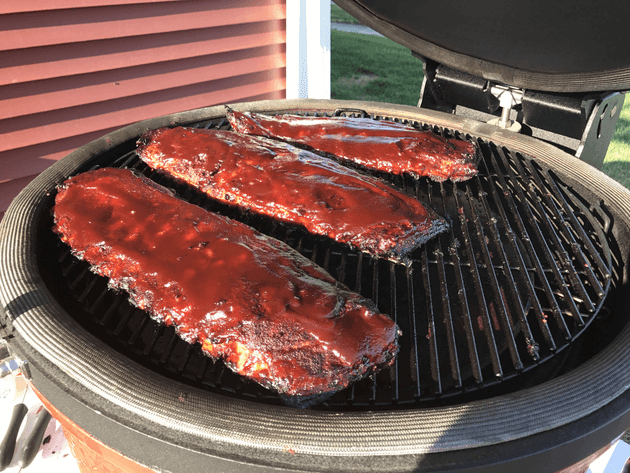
376	145
293	185
268	312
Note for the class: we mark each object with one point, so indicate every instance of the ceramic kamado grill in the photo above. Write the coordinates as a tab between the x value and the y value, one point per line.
515	348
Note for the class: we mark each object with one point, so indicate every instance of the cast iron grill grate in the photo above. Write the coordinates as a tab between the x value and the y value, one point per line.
522	273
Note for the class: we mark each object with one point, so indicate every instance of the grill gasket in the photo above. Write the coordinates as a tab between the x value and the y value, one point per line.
512	348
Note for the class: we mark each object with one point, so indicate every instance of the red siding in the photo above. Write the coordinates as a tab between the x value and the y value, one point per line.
74	70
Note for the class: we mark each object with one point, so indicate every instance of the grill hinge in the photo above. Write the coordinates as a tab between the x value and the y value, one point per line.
579	123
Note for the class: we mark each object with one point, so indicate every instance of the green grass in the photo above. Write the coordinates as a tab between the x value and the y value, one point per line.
377	69
337	15
373	68
617	162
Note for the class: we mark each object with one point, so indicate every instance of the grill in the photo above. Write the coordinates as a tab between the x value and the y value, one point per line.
522	274
515	337
514	354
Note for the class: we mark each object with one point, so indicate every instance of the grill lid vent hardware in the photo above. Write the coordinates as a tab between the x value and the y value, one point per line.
508	97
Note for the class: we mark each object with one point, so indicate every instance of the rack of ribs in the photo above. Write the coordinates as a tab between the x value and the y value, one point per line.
376	145
271	315
293	185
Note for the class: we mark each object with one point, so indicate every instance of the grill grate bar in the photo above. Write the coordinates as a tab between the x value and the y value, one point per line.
375	298
201	371
218	374
531	252
504	319
79	278
124	319
485	316
326	263
71	266
434	356
584	238
169	348
584	263
99	299
532	346
212	374
87	289
136	333
185	358
434	329
563	228
522	268
64	252
467	322
446	306
393	312
341	270
357	287
125	160
565	261
314	254
448	320
566	296
415	348
157	331
110	311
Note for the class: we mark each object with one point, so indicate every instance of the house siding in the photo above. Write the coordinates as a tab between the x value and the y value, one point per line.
74	70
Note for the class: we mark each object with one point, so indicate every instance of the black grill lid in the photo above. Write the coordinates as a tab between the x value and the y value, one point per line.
577	46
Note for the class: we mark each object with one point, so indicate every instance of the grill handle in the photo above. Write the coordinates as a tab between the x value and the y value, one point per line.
32	443
7	447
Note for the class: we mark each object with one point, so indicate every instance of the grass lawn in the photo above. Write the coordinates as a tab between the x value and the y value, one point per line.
337	15
377	69
617	163
373	68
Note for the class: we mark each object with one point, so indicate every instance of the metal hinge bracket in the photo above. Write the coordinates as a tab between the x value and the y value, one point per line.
579	123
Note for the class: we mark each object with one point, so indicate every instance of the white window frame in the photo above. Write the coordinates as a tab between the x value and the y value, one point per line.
308	49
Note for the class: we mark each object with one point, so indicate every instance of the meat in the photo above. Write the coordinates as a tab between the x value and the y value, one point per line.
268	312
376	145
293	185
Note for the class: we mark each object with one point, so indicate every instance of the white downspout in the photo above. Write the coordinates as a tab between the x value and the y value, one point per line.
308	49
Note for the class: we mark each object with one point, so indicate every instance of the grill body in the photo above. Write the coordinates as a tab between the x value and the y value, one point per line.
517	405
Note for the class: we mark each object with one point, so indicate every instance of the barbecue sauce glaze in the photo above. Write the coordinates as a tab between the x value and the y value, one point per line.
293	185
270	313
377	145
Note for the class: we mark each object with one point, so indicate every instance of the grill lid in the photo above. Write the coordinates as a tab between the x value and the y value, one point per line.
541	45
